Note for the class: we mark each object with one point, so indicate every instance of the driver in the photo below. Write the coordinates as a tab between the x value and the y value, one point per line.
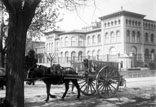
30	61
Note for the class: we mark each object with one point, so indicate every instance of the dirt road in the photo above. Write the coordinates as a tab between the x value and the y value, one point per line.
139	92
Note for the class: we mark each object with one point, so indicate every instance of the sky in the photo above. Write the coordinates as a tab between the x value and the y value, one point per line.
84	15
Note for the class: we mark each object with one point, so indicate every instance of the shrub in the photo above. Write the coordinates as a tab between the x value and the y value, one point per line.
152	65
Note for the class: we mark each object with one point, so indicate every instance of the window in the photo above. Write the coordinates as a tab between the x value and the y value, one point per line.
115	22
93	55
152	37
112	34
146	37
93	39
73	55
98	54
126	21
129	22
66	41
118	36
80	56
119	21
88	54
153	51
128	35
99	38
73	41
111	23
106	35
88	40
66	56
138	37
80	42
133	36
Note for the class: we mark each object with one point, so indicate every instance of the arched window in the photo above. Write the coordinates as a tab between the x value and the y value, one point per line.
126	21
138	37
88	40
61	56
146	52
93	55
118	36
132	22
115	22
134	50
129	22
93	39
112	50
80	42
119	21
98	54
133	36
111	23
112	34
108	24
106	37
73	41
66	56
128	36
99	38
112	37
152	51
88	54
80	56
152	38
66	41
146	37
73	55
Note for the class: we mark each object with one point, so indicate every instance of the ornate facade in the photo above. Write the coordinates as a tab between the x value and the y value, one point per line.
121	37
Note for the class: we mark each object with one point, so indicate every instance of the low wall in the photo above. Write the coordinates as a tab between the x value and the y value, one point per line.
138	73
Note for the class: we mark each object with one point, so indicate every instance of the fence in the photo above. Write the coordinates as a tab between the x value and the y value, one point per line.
136	60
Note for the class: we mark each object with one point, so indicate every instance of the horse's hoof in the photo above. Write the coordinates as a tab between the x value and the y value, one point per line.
46	100
53	96
78	98
62	99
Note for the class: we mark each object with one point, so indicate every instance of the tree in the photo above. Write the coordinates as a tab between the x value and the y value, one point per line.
3	30
21	13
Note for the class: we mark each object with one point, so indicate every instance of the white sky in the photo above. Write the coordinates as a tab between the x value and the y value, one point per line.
87	14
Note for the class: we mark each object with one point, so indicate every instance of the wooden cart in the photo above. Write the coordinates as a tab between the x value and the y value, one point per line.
104	81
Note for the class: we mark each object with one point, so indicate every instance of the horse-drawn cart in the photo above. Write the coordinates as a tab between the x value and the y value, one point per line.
103	80
96	77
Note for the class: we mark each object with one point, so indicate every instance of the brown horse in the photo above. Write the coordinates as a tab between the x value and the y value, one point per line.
54	75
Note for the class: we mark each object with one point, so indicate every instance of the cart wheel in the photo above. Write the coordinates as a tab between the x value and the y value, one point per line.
107	81
87	86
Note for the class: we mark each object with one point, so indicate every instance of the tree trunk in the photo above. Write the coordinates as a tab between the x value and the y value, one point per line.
21	13
1	45
15	55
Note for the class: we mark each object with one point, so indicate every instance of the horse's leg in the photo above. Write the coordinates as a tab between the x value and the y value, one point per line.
74	81
48	92
66	88
72	87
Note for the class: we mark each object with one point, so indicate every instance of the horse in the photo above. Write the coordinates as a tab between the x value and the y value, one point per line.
54	75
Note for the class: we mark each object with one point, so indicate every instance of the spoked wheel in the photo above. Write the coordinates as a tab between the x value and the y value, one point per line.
87	85
107	81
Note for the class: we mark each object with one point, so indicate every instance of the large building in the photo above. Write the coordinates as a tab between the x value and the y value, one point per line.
123	36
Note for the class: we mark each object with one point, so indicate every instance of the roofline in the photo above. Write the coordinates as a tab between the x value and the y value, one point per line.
54	31
92	31
122	13
81	32
73	32
153	21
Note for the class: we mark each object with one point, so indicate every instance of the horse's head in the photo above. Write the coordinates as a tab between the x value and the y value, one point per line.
31	75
